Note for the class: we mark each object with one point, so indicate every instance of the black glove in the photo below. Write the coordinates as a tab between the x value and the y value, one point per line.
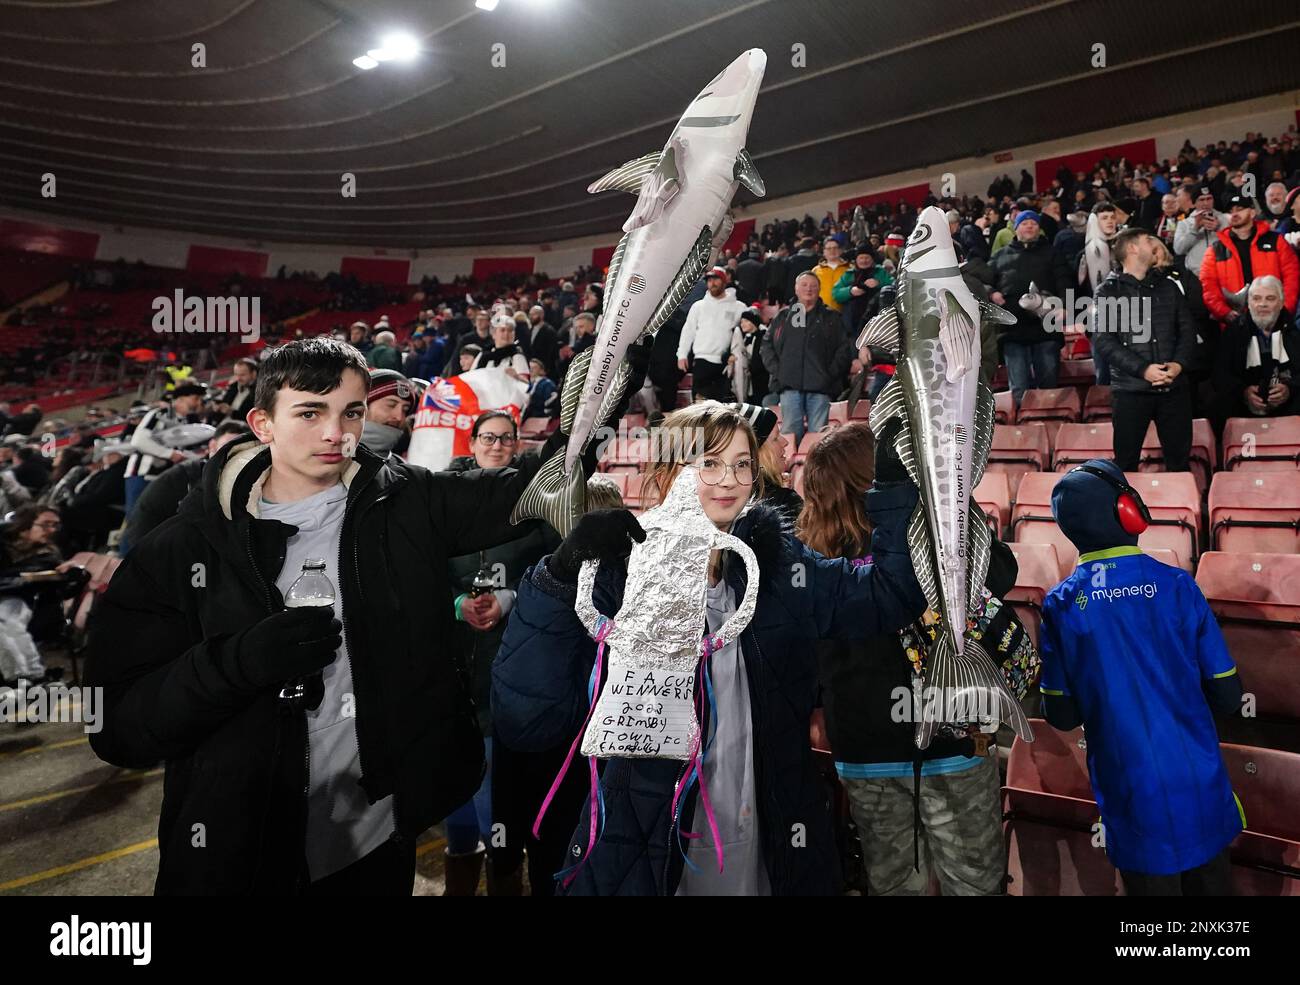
290	644
889	467
603	535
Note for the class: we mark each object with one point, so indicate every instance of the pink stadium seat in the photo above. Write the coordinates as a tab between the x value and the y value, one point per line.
861	410
839	411
1256	598
1096	404
1255	511
1077	443
993	494
1058	404
1264	444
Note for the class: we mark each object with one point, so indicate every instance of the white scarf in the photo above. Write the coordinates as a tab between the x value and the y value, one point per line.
1275	342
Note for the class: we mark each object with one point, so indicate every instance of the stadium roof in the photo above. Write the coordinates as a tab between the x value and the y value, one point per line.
449	150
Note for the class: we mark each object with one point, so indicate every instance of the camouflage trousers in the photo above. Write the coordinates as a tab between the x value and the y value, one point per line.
960	836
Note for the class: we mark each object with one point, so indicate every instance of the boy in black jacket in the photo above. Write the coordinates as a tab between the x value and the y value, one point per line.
267	793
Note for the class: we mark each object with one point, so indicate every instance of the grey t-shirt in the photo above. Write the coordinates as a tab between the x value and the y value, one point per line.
341	825
729	774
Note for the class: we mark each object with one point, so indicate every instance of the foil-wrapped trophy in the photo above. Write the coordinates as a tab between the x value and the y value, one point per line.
648	705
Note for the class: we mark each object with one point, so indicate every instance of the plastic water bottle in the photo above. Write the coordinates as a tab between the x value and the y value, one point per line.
313	588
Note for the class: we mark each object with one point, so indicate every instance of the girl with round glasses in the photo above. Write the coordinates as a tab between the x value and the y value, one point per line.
766	801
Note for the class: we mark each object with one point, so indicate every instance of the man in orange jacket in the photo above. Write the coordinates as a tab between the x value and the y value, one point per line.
1247	249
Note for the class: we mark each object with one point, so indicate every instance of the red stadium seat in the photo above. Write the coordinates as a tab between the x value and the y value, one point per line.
1077	373
1096	405
1057	404
1031	517
839	412
993	494
1077	443
809	441
1255	511
1267	783
1004	408
861	410
1256	598
1175	505
1264	444
1018	449
1202	460
1049	815
1039	571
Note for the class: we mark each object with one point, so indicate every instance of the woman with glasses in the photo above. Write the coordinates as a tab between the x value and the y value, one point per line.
483	592
764	797
26	545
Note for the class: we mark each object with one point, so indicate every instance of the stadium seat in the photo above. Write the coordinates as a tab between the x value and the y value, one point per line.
839	412
1077	372
1004	408
1256	598
1031	517
1038	572
1202	459
993	494
1175	505
1255	511
1049	814
1264	444
1267	783
1096	404
1077	443
1018	449
809	441
1056	404
861	410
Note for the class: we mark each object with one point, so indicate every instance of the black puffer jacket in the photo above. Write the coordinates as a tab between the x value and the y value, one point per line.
1140	322
163	645
1017	265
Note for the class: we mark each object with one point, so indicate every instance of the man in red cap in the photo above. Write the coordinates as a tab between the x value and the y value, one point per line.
711	333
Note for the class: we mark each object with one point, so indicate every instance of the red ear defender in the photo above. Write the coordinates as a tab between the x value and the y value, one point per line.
1131	517
1130	511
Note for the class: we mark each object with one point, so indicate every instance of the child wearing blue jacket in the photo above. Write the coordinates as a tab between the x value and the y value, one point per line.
1132	652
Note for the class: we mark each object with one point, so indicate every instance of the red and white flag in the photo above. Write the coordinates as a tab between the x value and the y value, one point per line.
449	408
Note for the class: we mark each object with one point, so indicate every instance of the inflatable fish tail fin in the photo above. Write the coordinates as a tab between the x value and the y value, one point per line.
552	496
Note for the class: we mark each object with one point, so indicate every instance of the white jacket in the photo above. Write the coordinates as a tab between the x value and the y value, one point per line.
710	327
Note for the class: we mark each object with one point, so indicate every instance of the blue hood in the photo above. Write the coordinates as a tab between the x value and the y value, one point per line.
1084	508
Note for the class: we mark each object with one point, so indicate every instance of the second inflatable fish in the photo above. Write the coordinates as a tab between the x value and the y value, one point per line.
947	430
